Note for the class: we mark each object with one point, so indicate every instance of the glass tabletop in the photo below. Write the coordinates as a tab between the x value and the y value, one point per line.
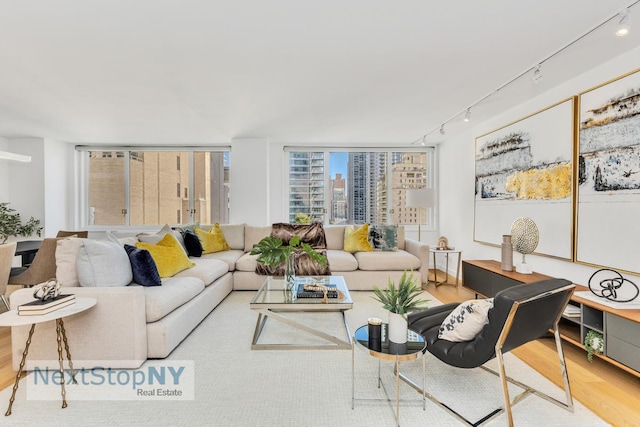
385	349
274	292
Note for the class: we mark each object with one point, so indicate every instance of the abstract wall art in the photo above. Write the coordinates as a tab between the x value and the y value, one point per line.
525	169
608	187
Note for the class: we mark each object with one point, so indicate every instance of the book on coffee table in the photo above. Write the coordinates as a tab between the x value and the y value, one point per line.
332	291
39	307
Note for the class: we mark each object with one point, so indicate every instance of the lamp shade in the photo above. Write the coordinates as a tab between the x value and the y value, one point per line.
420	197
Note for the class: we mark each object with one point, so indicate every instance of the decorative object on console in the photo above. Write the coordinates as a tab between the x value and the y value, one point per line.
399	302
506	253
11	225
525	238
594	344
420	198
612	286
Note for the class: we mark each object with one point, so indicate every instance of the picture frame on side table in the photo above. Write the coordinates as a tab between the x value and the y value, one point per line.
608	187
525	169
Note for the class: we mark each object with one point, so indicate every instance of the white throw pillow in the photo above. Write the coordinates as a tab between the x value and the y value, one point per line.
66	266
155	238
103	263
466	320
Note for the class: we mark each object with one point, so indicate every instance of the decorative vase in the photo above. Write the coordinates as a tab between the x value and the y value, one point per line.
289	273
397	328
506	258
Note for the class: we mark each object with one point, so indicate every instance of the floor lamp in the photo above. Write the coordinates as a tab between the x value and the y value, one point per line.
420	198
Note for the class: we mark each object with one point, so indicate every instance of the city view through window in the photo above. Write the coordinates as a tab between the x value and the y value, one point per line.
154	187
356	187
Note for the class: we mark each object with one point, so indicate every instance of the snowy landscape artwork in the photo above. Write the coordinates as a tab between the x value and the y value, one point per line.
608	195
525	170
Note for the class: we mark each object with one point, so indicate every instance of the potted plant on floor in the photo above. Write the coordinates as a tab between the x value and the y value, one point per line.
11	224
400	301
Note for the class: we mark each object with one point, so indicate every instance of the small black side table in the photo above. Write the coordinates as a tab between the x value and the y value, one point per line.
411	350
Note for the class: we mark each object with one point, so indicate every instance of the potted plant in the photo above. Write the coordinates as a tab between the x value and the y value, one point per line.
400	301
273	252
594	344
11	225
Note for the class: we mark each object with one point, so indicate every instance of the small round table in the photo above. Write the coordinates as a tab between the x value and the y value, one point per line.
12	318
387	350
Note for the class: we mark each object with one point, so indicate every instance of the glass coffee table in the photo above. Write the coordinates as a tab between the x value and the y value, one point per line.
273	301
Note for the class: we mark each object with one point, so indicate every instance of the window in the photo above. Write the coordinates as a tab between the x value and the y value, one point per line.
336	187
145	188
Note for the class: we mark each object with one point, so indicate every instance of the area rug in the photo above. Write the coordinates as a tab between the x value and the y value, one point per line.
236	386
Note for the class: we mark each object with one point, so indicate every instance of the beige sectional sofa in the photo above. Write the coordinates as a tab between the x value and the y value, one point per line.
130	324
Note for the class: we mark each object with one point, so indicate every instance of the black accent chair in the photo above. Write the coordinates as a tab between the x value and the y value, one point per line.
520	314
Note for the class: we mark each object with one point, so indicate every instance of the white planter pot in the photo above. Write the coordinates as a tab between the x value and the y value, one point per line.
397	328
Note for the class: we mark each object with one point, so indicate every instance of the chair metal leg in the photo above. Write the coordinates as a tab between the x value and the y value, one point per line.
4	300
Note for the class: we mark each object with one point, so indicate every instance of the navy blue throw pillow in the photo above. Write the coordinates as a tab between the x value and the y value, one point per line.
192	243
145	271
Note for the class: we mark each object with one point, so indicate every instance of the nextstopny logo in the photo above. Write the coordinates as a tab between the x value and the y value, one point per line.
155	380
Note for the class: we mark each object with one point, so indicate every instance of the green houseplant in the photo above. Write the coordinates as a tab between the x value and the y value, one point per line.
594	344
11	224
400	301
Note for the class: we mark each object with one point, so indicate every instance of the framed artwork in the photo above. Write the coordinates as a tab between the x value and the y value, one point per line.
608	187
525	169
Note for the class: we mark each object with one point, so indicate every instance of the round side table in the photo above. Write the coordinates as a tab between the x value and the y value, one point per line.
12	318
387	350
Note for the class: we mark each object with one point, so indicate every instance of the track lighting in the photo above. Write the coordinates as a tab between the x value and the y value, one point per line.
467	115
624	24
423	143
442	132
537	73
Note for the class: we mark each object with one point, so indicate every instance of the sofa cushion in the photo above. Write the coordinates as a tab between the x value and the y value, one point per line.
234	233
357	240
383	237
192	243
378	260
168	255
247	262
66	264
154	238
103	263
341	261
230	257
212	240
335	236
207	270
143	266
253	235
175	291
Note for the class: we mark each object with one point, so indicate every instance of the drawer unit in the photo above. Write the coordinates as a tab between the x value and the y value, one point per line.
623	352
623	329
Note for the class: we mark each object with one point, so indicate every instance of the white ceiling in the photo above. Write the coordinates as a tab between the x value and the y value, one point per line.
295	71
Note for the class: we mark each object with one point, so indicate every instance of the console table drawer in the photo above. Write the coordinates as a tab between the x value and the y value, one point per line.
623	352
623	329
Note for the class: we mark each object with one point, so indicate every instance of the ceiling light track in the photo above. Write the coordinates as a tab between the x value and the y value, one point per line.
623	27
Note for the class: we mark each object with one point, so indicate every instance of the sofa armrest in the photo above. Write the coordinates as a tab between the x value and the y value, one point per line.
420	250
113	333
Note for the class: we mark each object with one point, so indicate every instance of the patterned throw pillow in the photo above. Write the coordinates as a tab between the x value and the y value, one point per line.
357	240
384	237
168	255
466	320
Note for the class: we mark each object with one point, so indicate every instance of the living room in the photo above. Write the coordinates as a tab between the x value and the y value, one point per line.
50	186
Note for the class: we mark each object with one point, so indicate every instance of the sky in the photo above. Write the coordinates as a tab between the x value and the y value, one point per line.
338	164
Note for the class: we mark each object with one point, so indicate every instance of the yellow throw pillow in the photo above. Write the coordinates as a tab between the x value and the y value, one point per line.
168	255
357	240
212	240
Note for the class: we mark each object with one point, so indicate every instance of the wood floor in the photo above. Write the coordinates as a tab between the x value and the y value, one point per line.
611	393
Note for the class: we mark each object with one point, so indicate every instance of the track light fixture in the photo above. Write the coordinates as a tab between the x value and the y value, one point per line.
442	132
537	73
624	24
423	143
467	115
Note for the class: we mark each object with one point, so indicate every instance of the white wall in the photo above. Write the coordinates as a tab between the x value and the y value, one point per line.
58	194
457	172
4	172
249	177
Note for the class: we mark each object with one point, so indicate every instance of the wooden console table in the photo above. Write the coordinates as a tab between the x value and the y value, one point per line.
620	328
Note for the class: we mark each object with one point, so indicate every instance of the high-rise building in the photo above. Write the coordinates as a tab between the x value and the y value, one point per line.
338	200
306	185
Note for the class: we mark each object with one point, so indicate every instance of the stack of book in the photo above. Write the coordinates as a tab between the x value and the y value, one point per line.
306	292
571	311
38	307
